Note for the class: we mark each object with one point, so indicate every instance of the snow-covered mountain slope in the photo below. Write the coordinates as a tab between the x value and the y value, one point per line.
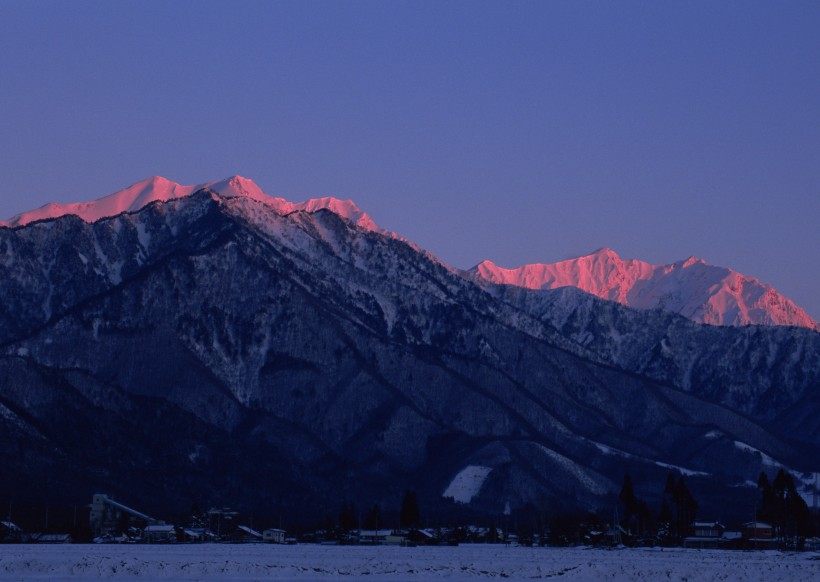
692	288
751	369
214	345
159	189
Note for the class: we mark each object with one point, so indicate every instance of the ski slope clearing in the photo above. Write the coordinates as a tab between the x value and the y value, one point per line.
314	562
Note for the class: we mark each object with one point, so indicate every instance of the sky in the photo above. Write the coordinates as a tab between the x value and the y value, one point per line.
513	131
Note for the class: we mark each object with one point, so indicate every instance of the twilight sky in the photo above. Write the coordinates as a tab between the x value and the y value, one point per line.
512	131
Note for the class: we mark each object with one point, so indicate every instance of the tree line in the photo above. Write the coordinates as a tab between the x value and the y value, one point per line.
778	504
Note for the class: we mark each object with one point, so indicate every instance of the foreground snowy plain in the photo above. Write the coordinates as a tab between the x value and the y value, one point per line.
468	562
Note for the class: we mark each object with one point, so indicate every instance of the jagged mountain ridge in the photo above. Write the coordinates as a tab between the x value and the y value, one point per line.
330	355
159	189
692	288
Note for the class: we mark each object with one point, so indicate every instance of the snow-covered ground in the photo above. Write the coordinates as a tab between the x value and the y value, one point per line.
314	562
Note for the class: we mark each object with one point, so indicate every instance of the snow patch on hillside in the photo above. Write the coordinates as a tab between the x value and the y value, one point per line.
613	451
582	474
682	470
765	459
467	483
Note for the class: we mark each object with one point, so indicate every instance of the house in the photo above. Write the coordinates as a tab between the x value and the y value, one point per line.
245	535
154	534
421	536
758	534
610	536
710	534
198	534
757	530
374	536
10	532
274	536
707	529
49	538
8	526
395	538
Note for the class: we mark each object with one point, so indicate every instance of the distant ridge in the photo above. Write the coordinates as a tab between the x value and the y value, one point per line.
691	287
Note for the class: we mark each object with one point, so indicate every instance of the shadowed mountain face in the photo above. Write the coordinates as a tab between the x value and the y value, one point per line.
212	348
767	373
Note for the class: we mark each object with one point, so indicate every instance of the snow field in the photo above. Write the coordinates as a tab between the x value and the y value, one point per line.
315	562
467	483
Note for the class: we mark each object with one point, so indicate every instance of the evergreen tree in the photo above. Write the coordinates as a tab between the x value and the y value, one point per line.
781	486
630	505
799	513
767	504
669	488
373	520
197	519
329	524
643	517
636	515
347	517
678	507
791	513
686	508
627	497
409	514
492	535
665	516
667	533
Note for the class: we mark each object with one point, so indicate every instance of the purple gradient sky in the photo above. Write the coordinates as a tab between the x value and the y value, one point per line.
513	131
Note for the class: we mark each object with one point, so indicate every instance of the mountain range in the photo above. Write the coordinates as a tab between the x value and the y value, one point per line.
691	287
172	343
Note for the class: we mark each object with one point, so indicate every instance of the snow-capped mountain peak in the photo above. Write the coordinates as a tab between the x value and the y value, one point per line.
344	208
604	252
136	196
686	263
691	287
159	189
238	187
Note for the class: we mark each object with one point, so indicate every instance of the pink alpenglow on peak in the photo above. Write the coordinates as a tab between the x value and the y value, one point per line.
344	208
159	189
132	198
692	288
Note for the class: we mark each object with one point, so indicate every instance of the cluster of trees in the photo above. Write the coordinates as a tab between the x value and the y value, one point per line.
781	506
409	516
678	510
48	518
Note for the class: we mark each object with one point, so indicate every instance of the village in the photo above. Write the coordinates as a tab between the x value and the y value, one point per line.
113	522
